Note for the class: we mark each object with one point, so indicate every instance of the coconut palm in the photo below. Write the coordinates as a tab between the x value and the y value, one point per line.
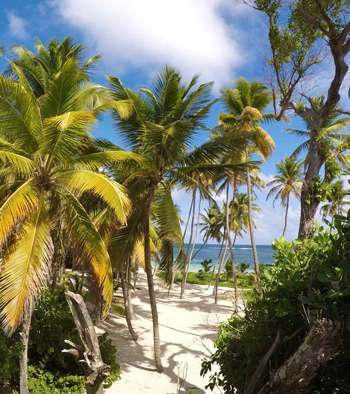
336	200
42	67
201	186
43	145
159	126
245	105
287	182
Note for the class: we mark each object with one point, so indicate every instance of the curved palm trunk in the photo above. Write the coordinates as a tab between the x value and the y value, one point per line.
308	207
127	303
251	229
190	246
23	361
286	218
149	273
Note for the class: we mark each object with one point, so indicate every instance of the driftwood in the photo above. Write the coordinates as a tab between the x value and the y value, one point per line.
320	345
250	389
89	353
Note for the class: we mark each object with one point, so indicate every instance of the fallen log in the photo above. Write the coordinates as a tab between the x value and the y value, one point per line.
89	353
296	375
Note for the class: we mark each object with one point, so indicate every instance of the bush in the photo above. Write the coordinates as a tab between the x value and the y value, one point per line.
52	371
52	323
46	382
10	349
310	279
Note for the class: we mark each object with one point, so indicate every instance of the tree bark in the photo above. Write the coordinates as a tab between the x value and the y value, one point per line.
251	229
286	218
190	248
96	370
149	273
296	375
309	205
127	303
23	361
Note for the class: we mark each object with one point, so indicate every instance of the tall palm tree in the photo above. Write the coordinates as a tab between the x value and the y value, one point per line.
43	144
245	105
160	126
200	185
287	182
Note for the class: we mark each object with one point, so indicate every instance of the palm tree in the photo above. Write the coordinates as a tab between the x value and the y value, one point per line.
159	127
287	182
201	185
43	144
336	203
245	104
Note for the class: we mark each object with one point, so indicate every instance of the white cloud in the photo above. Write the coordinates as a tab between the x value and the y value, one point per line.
192	35
18	27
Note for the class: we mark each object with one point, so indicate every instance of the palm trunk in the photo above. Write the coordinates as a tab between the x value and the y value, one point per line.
251	229
286	218
127	303
190	249
234	272
222	261
309	205
23	361
227	221
149	273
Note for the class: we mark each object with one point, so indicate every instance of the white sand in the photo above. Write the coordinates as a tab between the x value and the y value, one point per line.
187	330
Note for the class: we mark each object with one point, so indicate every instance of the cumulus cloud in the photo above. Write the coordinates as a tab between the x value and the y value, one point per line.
192	35
17	26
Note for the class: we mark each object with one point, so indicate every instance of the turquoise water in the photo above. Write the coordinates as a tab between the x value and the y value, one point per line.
242	253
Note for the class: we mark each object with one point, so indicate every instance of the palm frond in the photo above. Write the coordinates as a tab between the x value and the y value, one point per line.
109	191
25	269
17	207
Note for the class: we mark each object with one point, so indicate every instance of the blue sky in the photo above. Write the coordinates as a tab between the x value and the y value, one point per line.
219	39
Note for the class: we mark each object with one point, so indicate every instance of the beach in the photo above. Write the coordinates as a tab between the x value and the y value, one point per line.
188	328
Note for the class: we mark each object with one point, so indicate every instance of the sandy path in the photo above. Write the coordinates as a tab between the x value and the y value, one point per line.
187	330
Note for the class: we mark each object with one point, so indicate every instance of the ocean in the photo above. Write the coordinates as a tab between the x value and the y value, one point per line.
242	253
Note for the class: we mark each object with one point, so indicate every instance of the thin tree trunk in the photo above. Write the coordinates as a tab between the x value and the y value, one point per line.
127	304
308	205
128	278
227	221
286	218
222	261
23	361
218	263
234	272
251	229
189	249
149	273
134	272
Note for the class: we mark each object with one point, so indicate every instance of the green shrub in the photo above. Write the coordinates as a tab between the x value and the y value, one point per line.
10	349
109	352
309	279
52	323
46	382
